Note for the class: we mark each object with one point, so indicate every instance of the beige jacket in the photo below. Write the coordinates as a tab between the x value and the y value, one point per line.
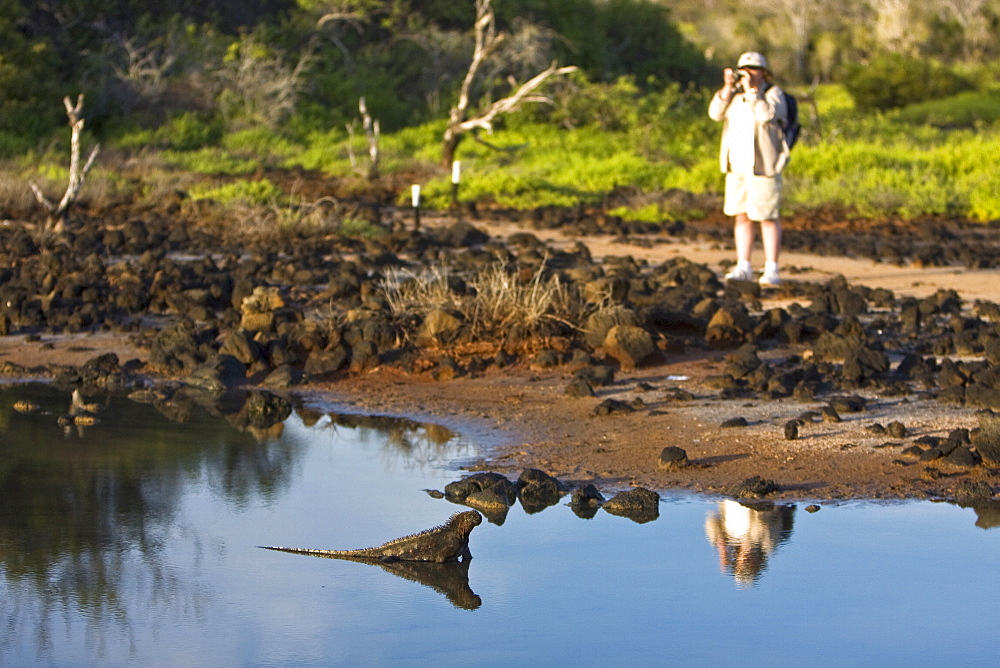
771	153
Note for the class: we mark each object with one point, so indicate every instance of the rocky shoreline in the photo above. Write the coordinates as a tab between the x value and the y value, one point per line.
291	312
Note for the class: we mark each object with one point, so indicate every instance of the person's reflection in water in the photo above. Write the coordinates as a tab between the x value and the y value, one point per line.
746	535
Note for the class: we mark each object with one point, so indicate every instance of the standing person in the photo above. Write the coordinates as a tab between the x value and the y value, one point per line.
752	156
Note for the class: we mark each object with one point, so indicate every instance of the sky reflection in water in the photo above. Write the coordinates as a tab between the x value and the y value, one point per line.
134	541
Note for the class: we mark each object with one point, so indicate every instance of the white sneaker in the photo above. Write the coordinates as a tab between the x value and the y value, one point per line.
738	273
770	277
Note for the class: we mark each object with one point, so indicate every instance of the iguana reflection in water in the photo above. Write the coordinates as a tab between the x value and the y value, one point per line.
450	579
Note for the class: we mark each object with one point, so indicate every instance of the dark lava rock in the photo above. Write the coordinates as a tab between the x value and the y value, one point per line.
178	347
972	491
284	376
578	387
264	409
240	345
322	363
959	436
673	458
639	505
729	326
963	457
612	407
848	404
586	501
538	490
830	414
754	488
734	423
499	496
600	323
460	489
598	375
587	496
987	439
102	372
219	374
743	362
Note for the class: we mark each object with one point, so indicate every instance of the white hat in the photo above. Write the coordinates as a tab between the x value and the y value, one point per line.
752	59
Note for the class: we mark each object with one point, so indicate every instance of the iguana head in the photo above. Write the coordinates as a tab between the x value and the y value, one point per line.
465	522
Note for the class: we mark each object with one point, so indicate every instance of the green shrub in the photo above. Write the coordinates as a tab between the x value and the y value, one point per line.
239	192
892	80
190	131
210	161
966	110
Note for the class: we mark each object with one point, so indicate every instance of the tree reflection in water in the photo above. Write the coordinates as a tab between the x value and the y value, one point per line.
88	508
76	504
746	535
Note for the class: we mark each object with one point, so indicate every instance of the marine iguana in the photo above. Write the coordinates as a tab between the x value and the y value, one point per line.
448	542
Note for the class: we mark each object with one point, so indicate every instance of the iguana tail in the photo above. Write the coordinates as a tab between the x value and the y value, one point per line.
366	555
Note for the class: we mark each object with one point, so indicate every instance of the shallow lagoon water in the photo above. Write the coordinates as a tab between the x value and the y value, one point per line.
134	541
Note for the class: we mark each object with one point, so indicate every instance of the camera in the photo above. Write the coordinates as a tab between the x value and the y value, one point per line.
739	76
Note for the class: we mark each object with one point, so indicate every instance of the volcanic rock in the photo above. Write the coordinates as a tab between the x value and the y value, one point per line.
538	490
630	345
439	327
264	409
586	501
612	407
578	387
729	326
218	374
600	323
673	458
754	488
639	505
987	439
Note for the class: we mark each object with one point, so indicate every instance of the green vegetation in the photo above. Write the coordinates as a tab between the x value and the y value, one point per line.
893	80
205	100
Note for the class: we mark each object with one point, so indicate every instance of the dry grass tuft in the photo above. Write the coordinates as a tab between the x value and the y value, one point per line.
409	292
498	301
502	302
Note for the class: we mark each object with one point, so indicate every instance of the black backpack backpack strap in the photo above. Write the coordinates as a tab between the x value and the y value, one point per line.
790	124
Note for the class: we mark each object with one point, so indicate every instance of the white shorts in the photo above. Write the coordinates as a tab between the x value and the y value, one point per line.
759	197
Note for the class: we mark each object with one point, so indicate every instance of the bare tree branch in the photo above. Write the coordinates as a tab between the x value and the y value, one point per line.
372	134
58	213
487	42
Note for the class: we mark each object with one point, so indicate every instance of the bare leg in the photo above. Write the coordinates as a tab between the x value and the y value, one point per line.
770	236
743	234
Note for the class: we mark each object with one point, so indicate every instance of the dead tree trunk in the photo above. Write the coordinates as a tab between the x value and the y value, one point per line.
372	135
487	42
59	212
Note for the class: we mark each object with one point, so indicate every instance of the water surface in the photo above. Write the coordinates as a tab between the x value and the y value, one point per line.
134	541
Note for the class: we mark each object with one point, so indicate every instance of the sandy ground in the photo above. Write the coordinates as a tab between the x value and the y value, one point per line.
525	419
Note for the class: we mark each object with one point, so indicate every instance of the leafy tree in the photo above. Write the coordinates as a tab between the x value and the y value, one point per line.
616	38
29	101
894	80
